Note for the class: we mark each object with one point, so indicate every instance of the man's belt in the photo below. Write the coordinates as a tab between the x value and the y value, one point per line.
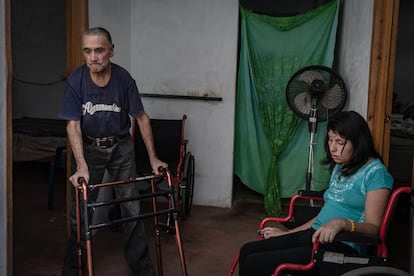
103	142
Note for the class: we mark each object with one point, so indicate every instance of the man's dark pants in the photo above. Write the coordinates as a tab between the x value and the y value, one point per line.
119	163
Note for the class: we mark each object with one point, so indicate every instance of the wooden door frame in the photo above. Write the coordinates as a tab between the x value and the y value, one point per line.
381	75
77	21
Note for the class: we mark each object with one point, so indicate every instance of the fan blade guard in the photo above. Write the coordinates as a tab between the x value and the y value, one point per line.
330	97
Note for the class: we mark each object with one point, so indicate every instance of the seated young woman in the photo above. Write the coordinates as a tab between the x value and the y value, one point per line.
355	200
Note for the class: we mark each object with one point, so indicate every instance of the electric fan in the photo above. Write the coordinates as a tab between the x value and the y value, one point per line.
315	93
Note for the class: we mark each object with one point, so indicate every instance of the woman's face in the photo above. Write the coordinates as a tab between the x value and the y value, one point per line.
341	149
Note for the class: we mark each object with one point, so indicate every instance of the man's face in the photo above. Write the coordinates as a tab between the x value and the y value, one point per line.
97	51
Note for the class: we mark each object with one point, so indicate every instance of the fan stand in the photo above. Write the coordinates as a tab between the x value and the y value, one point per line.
312	129
314	93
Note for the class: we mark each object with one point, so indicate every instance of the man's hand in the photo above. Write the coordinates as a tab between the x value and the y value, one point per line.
78	174
156	164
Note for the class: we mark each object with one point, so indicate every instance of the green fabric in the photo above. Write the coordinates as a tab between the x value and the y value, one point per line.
272	49
293	166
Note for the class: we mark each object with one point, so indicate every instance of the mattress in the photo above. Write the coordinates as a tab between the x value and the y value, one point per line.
36	139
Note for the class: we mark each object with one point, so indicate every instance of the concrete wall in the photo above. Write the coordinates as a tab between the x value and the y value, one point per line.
116	17
181	47
354	50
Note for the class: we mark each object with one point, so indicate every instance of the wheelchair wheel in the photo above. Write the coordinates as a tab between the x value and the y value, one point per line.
377	271
187	186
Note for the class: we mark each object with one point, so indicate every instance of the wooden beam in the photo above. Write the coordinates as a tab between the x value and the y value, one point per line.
384	39
76	24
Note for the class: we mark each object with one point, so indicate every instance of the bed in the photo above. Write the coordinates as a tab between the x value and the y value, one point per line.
36	139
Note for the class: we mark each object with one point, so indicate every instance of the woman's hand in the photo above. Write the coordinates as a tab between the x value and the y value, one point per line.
327	232
269	232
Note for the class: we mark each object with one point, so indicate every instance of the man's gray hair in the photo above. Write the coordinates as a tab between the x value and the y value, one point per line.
99	31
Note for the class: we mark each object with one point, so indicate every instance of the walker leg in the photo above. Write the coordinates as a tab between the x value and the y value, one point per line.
78	233
180	248
157	232
88	234
175	215
89	257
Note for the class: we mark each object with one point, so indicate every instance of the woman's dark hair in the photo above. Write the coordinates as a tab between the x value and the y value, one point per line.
100	31
352	127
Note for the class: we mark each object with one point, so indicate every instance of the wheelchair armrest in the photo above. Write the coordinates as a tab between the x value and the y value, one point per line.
301	195
357	237
274	220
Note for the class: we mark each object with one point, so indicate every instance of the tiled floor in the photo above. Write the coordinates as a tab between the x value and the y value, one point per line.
210	236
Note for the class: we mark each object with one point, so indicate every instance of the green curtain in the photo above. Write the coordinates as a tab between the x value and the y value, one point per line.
272	49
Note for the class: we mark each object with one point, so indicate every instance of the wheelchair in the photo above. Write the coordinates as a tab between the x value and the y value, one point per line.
171	147
376	262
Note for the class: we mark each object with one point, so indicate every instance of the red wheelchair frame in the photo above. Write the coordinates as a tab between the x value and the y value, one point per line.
171	147
377	241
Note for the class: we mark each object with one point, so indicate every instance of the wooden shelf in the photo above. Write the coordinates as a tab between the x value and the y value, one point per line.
183	97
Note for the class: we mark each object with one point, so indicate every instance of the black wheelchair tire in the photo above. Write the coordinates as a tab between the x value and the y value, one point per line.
377	271
187	186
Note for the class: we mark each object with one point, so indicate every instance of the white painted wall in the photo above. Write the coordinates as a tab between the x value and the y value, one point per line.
174	47
116	17
3	145
354	50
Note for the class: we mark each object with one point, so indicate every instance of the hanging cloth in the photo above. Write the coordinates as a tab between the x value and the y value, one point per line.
272	49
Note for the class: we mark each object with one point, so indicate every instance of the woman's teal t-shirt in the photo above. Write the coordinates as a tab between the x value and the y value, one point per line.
345	198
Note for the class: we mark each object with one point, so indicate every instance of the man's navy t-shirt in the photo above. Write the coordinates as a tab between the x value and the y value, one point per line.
103	111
